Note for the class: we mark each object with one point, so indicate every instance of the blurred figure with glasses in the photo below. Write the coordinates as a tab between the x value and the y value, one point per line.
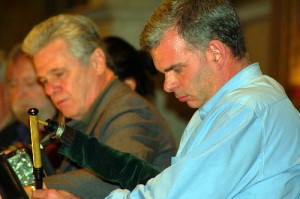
23	93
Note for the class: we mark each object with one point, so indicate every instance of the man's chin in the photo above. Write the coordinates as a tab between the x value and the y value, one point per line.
22	117
67	112
192	105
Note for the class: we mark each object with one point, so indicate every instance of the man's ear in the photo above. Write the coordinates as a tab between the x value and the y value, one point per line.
98	61
216	52
131	82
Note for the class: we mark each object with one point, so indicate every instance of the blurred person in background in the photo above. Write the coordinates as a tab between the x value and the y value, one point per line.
24	92
6	116
132	66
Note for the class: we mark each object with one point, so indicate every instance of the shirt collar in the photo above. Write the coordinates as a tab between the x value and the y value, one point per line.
239	80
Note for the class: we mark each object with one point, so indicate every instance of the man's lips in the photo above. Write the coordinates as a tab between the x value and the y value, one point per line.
26	106
25	103
182	98
60	102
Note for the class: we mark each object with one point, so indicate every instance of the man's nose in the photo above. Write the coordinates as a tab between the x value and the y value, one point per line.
50	88
22	88
169	84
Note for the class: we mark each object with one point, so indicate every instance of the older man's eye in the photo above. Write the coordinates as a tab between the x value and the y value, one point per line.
12	83
178	69
59	74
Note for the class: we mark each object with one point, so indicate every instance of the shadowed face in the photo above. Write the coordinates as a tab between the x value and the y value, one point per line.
5	111
25	92
72	86
188	73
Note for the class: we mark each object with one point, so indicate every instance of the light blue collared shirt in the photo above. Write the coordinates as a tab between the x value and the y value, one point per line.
243	143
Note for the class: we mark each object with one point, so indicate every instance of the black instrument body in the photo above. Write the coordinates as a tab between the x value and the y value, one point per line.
15	172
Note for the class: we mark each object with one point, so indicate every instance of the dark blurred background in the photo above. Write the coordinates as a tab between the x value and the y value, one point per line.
18	16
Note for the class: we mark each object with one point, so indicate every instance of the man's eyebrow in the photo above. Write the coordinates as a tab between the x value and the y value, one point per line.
172	67
55	70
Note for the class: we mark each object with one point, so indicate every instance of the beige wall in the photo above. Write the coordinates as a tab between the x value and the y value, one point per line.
256	23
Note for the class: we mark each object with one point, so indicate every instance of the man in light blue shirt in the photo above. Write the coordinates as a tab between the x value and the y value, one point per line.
242	143
244	139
